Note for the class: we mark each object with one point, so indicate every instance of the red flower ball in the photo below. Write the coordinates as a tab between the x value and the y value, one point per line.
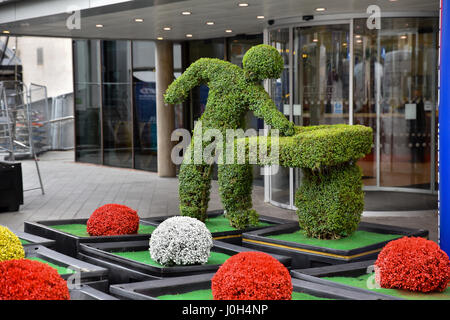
414	264
31	280
252	276
112	220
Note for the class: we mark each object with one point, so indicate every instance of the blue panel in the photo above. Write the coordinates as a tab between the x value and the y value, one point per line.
444	130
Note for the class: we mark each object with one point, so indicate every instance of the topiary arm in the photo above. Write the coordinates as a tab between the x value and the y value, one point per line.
195	74
263	107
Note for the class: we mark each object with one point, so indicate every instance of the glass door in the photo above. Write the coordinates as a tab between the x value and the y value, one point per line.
395	81
321	60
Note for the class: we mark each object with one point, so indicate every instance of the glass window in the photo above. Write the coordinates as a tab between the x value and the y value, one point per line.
87	100
117	114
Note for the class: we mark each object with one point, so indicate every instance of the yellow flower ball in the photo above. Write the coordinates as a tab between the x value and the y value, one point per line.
10	245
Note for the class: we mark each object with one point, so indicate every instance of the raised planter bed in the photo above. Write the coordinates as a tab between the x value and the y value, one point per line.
68	234
198	287
11	186
28	239
68	267
356	277
132	259
364	244
220	227
85	292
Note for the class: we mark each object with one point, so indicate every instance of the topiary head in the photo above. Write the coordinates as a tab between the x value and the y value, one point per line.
262	62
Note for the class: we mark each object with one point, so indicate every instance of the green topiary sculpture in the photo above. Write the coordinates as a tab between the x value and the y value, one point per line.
232	93
330	200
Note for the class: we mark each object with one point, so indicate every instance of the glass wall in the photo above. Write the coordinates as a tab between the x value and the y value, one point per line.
87	101
117	113
116	102
395	94
389	85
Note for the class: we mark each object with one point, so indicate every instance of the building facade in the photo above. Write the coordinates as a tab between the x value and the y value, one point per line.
374	63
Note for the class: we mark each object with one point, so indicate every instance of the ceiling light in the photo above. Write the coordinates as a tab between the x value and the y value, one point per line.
186	13
359	41
189	35
320	9
243	4
358	36
404	37
159	38
139	20
228	31
167	28
315	40
6	31
99	25
210	23
259	17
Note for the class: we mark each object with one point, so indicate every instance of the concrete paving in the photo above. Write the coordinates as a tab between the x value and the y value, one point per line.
75	190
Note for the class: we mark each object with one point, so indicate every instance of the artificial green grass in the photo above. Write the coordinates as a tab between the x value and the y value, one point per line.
221	224
361	282
80	229
356	240
24	242
144	257
206	294
216	224
60	269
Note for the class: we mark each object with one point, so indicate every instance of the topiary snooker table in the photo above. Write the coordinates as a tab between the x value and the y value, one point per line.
330	200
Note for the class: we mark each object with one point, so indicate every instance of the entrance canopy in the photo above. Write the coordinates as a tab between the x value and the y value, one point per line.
145	19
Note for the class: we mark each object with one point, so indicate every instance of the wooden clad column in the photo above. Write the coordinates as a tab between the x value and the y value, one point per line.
165	115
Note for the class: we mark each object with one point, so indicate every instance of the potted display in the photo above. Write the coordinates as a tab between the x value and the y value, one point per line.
11	186
179	246
68	268
245	276
407	268
111	222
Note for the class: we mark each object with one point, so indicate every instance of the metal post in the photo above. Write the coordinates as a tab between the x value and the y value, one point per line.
444	129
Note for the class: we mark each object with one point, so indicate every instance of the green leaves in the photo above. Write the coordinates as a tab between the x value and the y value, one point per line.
330	202
263	62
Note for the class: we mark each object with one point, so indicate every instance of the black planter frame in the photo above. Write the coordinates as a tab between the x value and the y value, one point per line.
11	186
34	240
150	290
87	292
354	269
67	243
89	274
308	256
135	270
233	236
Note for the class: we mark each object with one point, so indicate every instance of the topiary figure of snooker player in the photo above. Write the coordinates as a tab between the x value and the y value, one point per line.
233	91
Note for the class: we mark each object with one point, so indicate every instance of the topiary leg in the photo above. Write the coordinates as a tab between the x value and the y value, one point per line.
330	202
235	188
194	190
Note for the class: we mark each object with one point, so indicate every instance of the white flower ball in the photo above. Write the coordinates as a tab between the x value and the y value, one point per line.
181	241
